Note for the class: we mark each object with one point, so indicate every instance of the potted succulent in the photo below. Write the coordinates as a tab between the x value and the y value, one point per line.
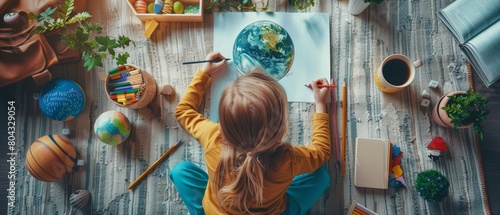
357	6
461	109
432	185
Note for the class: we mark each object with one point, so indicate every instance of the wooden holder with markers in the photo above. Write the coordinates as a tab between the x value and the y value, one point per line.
130	86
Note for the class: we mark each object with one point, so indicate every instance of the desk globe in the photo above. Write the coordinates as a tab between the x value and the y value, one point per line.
112	127
264	44
62	100
50	158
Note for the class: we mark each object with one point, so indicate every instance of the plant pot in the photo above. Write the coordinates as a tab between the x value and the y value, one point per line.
432	185
440	116
145	94
355	7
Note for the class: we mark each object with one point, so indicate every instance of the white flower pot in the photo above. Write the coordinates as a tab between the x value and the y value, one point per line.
357	6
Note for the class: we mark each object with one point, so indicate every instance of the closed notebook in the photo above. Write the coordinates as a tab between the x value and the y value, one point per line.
371	163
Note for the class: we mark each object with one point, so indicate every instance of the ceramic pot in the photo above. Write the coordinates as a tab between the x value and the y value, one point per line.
357	6
440	116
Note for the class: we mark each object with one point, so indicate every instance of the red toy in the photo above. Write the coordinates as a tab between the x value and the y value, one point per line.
435	147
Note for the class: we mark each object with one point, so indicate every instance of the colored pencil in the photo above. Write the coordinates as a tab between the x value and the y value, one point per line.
128	95
128	87
126	83
156	163
344	124
118	69
206	61
125	79
322	85
124	91
123	75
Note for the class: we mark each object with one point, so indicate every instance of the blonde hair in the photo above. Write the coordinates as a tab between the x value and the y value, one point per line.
253	115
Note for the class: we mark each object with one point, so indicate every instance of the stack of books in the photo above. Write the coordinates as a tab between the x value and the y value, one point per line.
476	27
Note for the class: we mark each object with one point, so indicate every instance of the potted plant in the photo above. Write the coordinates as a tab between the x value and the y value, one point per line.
461	109
431	185
355	7
79	34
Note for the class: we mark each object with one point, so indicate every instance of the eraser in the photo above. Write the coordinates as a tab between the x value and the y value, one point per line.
66	132
426	94
425	102
150	27
433	84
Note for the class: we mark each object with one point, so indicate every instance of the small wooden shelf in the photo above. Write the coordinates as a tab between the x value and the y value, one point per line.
198	17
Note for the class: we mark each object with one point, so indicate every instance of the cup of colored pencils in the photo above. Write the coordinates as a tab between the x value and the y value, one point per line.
130	86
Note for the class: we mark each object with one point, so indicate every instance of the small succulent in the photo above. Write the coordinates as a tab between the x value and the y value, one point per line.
464	109
432	186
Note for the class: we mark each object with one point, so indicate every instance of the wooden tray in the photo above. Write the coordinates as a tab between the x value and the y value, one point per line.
198	17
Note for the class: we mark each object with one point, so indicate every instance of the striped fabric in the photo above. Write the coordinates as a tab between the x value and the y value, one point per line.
358	46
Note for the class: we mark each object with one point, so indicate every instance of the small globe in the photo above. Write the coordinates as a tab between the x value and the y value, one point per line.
62	100
112	127
264	44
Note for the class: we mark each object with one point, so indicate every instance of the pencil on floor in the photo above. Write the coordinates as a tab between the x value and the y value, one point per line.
344	124
156	163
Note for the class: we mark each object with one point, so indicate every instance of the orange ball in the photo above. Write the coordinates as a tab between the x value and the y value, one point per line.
50	158
141	6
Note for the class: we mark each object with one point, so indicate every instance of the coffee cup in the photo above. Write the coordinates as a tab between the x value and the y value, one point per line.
395	73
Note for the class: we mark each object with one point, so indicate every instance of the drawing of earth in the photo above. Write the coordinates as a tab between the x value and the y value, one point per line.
264	44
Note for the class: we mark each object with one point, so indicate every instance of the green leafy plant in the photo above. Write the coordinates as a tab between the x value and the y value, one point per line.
468	108
79	34
374	1
431	185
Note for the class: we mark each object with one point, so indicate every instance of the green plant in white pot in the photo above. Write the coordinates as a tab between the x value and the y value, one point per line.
355	7
461	109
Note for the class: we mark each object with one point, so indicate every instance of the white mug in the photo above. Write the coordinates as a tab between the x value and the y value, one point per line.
395	73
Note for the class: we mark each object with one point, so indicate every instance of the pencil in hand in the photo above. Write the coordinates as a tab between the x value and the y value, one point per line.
322	85
206	61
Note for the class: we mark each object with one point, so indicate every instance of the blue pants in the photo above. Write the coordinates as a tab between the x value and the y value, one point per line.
191	182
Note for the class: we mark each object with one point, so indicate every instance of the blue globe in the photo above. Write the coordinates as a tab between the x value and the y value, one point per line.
62	100
264	44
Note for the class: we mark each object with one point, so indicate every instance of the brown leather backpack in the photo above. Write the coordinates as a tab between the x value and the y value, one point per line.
23	54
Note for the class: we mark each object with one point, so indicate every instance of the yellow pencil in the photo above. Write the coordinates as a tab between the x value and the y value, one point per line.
344	125
156	163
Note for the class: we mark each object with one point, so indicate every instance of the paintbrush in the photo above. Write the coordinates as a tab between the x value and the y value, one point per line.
206	61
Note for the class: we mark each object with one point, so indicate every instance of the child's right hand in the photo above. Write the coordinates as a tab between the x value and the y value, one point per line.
211	68
320	94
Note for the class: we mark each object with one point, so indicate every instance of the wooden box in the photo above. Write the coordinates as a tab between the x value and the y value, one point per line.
198	17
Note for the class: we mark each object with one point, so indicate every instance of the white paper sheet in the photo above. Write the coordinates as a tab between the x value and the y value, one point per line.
311	38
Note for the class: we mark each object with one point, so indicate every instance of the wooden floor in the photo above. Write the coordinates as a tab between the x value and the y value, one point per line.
490	146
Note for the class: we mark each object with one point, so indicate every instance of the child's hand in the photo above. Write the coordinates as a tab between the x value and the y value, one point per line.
211	68
320	94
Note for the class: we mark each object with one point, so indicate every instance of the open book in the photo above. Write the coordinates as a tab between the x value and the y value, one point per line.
371	162
476	26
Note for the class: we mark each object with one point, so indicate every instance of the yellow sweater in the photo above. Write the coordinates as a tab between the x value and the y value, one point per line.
278	177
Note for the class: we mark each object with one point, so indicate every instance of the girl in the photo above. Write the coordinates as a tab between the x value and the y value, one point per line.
251	170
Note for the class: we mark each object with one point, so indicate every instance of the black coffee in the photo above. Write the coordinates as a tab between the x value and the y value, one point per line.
396	72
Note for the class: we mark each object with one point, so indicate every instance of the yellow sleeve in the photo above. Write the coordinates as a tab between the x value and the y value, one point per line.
306	159
187	113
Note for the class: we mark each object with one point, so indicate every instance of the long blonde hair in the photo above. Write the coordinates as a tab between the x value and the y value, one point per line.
253	114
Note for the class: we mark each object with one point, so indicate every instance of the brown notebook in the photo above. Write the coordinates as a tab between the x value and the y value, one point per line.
371	162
